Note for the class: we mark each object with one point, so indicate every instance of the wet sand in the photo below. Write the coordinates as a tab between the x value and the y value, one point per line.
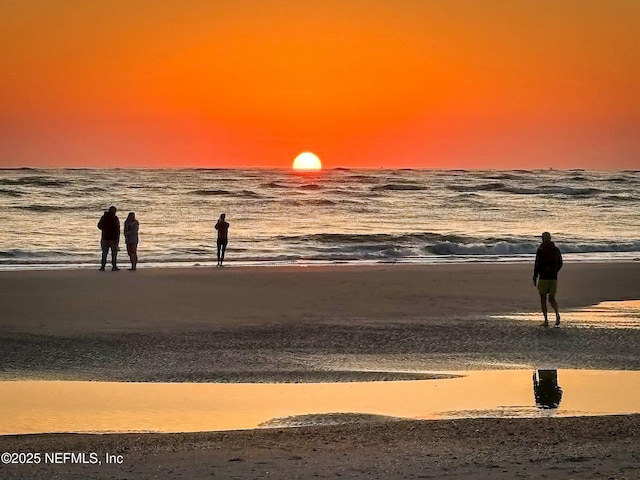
339	323
554	448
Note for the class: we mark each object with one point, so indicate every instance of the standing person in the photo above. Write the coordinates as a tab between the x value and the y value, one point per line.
110	238
548	264
222	227
131	227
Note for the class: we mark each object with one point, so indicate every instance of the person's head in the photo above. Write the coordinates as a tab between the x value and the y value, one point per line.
131	217
546	237
112	210
222	216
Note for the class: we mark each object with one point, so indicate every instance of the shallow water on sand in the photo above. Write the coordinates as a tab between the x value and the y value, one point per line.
109	407
618	314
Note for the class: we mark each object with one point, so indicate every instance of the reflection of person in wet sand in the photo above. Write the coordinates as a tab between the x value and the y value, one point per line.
548	264
222	227
546	390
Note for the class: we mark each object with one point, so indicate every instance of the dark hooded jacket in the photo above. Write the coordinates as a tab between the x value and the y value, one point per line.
548	261
110	226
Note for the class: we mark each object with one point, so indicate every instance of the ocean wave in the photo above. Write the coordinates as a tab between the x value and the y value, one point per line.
10	193
397	187
344	220
23	255
237	194
447	244
211	192
368	238
362	178
504	248
378	251
541	190
621	198
52	208
624	179
498	248
565	191
273	185
506	176
497	186
309	186
18	169
319	202
248	194
38	181
600	247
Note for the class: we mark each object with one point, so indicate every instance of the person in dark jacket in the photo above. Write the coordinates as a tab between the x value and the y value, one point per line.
110	226
548	264
222	226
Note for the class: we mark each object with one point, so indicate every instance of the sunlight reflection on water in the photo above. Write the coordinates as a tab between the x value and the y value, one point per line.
59	406
618	314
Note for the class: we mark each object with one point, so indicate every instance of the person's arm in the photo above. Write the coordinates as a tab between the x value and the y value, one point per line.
559	259
100	222
536	267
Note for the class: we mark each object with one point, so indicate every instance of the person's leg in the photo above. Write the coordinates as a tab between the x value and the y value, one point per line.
134	257
224	249
554	304
131	251
219	248
105	251
114	256
543	305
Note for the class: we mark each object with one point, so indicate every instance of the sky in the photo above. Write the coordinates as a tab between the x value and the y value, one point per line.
361	83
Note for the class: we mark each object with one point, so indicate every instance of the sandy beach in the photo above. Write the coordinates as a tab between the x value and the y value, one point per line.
313	324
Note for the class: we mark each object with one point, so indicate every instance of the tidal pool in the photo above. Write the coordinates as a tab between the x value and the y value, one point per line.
108	407
615	314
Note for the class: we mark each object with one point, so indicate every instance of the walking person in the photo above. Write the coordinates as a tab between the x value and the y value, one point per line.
110	237
222	226
131	227
548	264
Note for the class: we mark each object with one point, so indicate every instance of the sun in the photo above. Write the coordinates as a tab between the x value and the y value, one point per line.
307	161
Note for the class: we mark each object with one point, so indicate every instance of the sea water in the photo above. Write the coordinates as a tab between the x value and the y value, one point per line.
49	216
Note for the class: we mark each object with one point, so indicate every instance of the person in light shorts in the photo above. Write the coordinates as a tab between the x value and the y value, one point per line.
548	264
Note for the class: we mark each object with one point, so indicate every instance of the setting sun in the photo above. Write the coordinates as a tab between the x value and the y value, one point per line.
307	161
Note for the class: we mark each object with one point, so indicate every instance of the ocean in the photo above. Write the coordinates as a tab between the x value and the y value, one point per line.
281	217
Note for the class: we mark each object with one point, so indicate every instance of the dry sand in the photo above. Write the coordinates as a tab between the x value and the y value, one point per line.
320	324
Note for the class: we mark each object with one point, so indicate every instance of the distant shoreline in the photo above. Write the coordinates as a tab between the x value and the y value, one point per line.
631	257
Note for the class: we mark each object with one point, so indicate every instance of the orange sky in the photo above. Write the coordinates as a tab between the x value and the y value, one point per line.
362	83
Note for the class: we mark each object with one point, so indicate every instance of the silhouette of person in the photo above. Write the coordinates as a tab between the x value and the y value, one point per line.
131	227
222	226
546	390
548	264
110	238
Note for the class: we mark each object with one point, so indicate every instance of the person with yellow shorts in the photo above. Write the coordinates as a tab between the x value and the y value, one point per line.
545	275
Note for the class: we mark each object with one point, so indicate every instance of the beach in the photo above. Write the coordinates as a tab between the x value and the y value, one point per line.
321	324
